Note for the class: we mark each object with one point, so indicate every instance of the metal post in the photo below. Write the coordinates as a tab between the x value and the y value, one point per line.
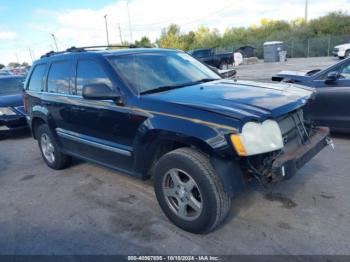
127	6
291	51
308	47
55	42
106	24
120	34
329	45
17	58
306	11
30	53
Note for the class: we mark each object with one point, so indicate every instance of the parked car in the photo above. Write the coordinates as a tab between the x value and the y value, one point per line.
12	115
330	106
342	51
209	57
162	113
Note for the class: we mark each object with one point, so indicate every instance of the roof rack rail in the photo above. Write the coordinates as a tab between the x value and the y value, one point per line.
85	48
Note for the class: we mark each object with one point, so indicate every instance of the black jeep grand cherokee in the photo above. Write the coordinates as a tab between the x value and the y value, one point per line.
162	113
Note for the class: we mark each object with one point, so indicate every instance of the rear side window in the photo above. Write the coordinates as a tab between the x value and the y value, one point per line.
89	72
201	53
36	79
58	78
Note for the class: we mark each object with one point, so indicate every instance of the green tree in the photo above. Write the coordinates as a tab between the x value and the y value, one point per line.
144	42
2	66
14	64
171	38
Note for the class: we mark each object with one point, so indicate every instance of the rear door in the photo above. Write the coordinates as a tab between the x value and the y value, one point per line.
332	104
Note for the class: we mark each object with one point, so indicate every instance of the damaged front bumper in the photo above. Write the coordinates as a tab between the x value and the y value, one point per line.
287	164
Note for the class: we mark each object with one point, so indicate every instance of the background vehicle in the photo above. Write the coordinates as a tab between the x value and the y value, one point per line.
161	112
331	104
342	51
208	56
12	115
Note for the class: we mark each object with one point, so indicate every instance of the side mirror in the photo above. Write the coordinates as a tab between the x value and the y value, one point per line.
227	74
100	91
332	77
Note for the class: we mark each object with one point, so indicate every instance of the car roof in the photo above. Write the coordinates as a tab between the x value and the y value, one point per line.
112	52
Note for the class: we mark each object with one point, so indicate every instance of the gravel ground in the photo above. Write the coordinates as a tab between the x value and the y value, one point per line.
87	209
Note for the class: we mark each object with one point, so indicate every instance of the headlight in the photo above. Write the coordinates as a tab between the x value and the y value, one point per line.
258	138
6	111
341	48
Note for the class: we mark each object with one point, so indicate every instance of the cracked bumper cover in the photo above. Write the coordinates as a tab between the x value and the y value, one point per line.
286	165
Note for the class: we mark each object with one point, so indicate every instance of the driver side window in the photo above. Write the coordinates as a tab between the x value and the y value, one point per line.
344	72
89	72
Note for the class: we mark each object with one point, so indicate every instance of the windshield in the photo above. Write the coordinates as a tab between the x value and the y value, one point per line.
13	85
156	72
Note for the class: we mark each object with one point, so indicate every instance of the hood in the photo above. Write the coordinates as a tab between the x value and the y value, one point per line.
11	100
297	76
242	100
343	46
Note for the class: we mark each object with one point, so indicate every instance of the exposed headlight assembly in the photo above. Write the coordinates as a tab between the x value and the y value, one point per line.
6	111
258	138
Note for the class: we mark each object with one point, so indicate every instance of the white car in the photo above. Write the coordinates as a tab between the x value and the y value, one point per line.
342	51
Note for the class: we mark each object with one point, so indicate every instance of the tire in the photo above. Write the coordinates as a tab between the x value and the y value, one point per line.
347	54
223	65
49	149
213	203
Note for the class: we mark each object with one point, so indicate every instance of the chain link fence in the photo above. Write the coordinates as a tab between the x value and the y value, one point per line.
308	47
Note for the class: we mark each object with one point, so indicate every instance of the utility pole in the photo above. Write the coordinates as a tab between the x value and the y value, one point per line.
120	34
30	53
306	10
17	58
55	42
106	24
127	7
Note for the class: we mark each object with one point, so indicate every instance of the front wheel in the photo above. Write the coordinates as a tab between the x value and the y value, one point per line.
189	192
347	54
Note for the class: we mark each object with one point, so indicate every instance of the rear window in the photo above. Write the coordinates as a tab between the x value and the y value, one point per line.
36	79
11	85
59	76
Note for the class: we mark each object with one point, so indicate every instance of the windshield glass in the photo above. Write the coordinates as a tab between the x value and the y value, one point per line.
147	72
11	85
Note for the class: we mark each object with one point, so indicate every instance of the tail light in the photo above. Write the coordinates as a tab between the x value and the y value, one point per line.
25	102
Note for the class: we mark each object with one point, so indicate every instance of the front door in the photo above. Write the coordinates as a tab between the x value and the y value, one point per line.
332	104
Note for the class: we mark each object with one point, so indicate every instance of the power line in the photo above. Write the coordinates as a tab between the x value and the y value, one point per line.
213	13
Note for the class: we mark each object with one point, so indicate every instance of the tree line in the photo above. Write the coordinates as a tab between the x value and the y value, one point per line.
320	33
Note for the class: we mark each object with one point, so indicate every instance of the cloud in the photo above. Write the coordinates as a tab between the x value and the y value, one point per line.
148	17
7	35
86	26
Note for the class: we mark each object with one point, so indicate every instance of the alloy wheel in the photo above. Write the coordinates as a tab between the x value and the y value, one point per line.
182	194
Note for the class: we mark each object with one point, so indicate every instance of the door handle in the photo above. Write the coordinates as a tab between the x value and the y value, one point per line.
46	103
78	108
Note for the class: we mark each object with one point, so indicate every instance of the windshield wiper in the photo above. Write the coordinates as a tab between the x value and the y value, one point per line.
169	87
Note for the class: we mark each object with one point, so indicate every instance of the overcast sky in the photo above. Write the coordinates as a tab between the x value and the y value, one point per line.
29	24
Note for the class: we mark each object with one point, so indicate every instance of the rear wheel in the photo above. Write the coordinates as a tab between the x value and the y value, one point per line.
189	192
50	151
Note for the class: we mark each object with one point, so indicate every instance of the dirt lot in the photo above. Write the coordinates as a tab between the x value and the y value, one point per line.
87	209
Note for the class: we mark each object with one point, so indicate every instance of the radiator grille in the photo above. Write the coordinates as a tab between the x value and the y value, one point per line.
294	131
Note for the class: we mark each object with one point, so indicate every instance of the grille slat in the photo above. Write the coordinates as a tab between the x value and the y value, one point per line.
293	130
